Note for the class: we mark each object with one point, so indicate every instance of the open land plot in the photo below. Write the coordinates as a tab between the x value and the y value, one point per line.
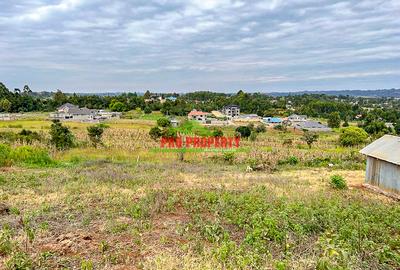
121	206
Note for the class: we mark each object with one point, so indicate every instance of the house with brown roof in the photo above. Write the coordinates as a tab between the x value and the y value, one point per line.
198	116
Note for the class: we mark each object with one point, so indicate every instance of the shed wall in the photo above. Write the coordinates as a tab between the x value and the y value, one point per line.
383	174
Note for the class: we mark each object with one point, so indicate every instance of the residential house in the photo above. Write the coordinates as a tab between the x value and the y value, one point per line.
272	120
383	163
231	111
311	126
174	122
297	118
6	117
72	112
247	118
198	116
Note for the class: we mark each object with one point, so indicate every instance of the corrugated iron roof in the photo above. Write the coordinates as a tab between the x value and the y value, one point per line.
386	148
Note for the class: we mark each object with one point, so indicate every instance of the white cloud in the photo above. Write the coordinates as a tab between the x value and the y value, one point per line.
251	42
42	12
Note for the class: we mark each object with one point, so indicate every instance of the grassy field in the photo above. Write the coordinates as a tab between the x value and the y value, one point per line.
122	206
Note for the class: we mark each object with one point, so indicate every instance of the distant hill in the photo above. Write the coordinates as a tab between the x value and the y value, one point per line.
354	93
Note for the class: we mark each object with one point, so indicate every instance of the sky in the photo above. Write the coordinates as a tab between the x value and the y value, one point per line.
190	45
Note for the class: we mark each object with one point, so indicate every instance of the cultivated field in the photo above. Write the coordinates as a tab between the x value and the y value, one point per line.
123	206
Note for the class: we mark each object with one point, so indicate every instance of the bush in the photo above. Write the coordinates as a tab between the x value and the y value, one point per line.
31	155
28	136
5	152
338	182
61	136
147	110
95	133
163	122
243	131
352	136
229	157
19	260
292	160
281	127
261	128
155	133
218	133
169	133
310	138
253	136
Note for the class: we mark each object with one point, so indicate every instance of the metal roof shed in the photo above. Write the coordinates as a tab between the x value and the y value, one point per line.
383	163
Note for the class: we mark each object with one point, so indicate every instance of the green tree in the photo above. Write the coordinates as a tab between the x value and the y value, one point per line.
59	98
397	128
61	136
95	133
5	105
334	120
352	136
147	110
117	106
147	95
310	138
376	128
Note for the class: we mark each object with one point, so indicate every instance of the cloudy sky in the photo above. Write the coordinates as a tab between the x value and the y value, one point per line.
187	45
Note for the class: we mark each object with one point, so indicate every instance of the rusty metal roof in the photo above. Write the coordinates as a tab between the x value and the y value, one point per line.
386	148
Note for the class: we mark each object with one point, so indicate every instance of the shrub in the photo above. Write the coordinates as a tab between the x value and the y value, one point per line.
352	136
6	245
95	133
281	127
8	136
253	136
338	182
61	136
147	110
218	133
287	142
310	138
31	155
292	160
243	131
163	122
261	128
170	133
5	152
155	133
229	157
28	136
19	260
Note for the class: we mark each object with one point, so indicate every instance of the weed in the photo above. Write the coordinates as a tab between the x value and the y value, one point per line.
19	261
338	182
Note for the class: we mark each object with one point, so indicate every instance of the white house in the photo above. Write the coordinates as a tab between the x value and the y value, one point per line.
198	116
72	112
297	118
